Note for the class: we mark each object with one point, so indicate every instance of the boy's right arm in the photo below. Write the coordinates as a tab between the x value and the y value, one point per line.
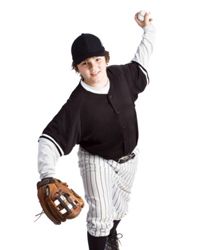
47	158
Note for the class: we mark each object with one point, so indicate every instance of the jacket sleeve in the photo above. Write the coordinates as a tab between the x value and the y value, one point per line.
64	129
136	77
58	138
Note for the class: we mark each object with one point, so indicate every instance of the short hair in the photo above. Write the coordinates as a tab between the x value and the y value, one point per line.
107	57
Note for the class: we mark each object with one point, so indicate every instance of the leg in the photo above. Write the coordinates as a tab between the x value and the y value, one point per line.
101	243
114	228
97	180
112	242
96	243
107	187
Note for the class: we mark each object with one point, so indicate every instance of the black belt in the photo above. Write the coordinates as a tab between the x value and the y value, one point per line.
126	158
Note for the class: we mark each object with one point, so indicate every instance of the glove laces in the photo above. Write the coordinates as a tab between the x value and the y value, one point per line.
38	216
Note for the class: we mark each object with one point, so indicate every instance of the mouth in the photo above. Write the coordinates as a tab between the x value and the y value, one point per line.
95	74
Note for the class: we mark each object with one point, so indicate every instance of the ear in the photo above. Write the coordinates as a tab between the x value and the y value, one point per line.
76	68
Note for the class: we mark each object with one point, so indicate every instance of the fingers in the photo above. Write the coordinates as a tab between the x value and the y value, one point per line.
147	17
143	18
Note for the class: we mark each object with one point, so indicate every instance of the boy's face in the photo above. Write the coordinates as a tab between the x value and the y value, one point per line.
93	70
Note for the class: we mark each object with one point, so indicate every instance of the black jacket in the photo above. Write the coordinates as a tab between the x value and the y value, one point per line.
103	124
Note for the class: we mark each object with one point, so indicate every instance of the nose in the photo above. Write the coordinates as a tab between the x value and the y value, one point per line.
93	66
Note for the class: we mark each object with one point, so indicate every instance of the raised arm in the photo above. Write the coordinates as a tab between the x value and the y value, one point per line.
146	45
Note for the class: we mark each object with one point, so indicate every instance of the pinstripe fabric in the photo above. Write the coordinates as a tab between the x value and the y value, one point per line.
107	187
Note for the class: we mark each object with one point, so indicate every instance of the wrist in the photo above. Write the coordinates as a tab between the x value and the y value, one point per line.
149	27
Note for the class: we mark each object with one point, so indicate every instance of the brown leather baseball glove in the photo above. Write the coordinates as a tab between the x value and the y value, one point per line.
58	201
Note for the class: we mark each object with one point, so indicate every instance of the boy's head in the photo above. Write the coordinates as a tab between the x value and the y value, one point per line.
85	46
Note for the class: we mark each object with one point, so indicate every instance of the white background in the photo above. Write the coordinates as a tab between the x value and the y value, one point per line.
35	81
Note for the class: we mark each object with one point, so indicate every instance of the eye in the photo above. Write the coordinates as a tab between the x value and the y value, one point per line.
83	63
98	59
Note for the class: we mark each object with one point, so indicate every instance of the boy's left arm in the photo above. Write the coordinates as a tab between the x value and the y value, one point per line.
145	48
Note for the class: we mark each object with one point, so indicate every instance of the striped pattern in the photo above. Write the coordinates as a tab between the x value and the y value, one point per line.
107	187
54	142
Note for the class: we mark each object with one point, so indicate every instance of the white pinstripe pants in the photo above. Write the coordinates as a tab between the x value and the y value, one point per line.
107	187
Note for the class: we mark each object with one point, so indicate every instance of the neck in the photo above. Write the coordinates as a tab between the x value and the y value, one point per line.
99	84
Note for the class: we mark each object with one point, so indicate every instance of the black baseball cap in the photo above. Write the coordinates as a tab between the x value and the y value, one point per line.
86	45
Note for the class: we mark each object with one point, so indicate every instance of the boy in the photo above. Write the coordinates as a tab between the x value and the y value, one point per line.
100	117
